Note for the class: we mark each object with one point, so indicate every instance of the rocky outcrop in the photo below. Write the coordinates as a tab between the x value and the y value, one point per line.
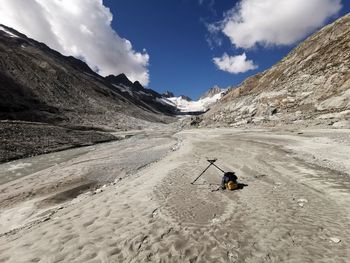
184	97
311	85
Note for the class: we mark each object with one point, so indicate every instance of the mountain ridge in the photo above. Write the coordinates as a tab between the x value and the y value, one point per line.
311	85
65	90
50	102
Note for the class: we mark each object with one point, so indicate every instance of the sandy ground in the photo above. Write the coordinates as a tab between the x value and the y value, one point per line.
295	207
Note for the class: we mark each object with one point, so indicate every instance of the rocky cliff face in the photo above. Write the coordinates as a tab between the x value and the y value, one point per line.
145	98
310	85
39	84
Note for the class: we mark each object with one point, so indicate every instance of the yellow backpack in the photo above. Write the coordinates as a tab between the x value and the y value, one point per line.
231	185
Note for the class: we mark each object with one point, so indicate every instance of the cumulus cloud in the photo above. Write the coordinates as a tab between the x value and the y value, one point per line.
234	64
81	28
276	22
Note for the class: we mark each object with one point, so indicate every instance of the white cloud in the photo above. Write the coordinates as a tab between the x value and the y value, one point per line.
234	64
276	22
81	28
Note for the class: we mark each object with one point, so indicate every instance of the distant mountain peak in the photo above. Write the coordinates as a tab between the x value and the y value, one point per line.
185	98
119	79
168	94
212	92
137	85
186	105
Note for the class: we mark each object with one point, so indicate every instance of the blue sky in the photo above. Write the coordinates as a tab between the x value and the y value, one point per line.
185	46
175	34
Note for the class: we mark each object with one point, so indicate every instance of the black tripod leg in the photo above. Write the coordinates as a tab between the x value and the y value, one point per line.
201	173
218	168
218	189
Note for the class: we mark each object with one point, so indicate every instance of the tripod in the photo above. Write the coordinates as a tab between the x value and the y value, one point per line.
211	162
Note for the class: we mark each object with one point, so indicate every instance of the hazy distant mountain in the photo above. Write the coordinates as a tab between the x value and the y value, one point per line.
186	105
310	85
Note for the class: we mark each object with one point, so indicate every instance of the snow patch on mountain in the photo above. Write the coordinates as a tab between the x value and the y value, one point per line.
8	32
123	88
200	105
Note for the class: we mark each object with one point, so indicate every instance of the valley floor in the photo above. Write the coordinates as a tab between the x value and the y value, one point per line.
295	207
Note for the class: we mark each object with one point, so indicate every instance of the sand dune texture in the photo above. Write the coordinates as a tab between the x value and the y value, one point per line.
294	209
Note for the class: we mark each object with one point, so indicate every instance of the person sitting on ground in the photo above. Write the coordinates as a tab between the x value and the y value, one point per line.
229	181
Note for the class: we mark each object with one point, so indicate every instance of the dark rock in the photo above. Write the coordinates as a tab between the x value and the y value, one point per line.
272	111
168	94
120	79
195	121
185	98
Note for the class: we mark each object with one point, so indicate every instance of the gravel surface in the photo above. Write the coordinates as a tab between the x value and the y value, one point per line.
24	139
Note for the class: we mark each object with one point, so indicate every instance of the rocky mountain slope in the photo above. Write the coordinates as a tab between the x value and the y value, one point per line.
42	89
40	84
146	98
309	86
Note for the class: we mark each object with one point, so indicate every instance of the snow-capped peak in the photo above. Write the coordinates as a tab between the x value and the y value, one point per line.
200	105
211	92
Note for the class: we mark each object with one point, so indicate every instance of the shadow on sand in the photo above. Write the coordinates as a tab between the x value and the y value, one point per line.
240	186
